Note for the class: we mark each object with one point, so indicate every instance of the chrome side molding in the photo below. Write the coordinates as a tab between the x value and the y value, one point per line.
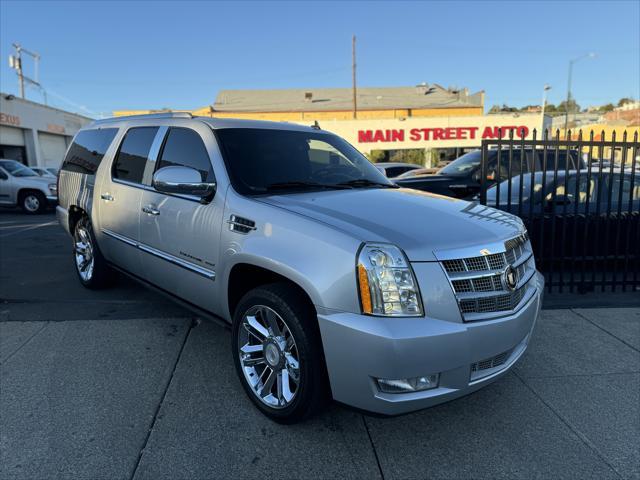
205	272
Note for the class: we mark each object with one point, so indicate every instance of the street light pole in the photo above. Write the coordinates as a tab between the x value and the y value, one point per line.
546	88
566	106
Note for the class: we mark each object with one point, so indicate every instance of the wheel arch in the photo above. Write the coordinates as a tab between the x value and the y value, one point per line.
25	190
75	214
246	275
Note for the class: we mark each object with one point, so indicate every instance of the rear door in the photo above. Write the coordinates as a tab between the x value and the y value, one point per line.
120	196
179	235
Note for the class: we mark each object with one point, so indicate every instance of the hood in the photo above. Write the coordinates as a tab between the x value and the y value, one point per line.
418	222
42	182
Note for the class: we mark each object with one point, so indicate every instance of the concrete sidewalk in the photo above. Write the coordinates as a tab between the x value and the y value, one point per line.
158	398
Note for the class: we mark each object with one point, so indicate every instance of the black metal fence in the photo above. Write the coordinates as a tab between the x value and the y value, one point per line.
579	197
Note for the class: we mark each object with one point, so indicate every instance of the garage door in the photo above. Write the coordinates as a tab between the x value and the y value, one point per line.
52	149
11	136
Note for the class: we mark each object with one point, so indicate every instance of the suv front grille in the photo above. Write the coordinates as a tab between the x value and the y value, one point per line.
479	284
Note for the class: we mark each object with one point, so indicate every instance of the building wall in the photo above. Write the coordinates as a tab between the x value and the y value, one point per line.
43	132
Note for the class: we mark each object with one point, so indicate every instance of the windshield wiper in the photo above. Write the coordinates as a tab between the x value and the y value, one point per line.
364	182
303	184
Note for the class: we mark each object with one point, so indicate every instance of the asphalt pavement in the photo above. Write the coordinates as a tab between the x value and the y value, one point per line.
122	383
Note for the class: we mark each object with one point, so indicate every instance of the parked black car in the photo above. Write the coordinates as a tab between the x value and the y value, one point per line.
579	191
576	215
461	178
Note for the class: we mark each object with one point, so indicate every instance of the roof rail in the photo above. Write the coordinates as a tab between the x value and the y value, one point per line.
146	115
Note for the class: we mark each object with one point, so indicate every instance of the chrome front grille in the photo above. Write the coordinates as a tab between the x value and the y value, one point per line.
479	281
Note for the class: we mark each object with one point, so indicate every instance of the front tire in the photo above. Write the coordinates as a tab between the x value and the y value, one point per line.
33	203
278	354
91	267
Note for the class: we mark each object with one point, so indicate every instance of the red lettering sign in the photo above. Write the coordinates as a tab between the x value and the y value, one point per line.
10	119
449	133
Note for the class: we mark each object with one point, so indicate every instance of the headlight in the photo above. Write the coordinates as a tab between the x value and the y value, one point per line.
53	188
386	281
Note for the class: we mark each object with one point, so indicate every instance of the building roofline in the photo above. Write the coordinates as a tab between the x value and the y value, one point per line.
41	105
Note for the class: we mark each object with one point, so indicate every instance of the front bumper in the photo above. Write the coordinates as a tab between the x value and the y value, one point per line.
358	349
52	200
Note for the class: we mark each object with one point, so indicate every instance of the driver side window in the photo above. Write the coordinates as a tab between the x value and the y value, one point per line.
184	147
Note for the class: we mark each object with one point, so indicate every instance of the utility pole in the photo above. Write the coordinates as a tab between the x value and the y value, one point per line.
15	62
353	72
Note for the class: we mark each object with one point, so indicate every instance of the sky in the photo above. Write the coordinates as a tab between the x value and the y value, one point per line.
97	57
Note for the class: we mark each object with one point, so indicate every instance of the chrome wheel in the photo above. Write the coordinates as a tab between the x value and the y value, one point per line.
83	252
269	356
31	203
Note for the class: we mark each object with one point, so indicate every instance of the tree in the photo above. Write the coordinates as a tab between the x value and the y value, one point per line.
624	101
376	156
571	106
607	108
502	109
412	155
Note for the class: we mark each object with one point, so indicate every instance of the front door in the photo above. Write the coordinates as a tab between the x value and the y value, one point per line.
120	197
179	234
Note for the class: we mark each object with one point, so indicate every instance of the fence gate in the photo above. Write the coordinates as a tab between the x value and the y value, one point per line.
579	197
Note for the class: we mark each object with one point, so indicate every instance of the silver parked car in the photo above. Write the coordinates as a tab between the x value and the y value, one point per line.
21	186
45	172
336	282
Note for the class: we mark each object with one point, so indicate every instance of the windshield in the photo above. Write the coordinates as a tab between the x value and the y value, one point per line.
515	189
463	165
263	161
17	169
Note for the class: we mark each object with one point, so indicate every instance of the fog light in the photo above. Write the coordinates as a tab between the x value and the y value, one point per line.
405	385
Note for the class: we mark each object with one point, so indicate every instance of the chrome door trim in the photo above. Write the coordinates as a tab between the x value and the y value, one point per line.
210	274
131	184
122	238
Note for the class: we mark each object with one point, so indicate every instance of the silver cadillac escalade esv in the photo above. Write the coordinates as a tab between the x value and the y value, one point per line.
336	283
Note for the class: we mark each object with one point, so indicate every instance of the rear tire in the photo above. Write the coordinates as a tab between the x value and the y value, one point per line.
91	267
33	202
277	353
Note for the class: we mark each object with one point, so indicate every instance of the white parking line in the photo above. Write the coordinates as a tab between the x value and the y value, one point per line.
32	227
17	225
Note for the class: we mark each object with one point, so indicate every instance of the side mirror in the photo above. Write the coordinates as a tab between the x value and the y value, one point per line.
182	181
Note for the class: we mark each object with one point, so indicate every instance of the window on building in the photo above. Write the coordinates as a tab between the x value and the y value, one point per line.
88	149
184	147
132	156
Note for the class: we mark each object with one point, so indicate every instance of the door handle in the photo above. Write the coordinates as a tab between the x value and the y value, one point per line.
106	197
150	210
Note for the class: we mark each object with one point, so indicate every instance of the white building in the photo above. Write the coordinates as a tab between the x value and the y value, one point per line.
35	134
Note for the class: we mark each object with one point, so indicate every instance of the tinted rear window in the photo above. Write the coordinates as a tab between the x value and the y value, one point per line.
132	156
88	149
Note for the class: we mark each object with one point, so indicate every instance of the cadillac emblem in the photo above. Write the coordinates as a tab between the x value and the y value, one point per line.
510	278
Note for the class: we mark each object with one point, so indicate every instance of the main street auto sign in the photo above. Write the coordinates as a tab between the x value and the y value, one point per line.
449	133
